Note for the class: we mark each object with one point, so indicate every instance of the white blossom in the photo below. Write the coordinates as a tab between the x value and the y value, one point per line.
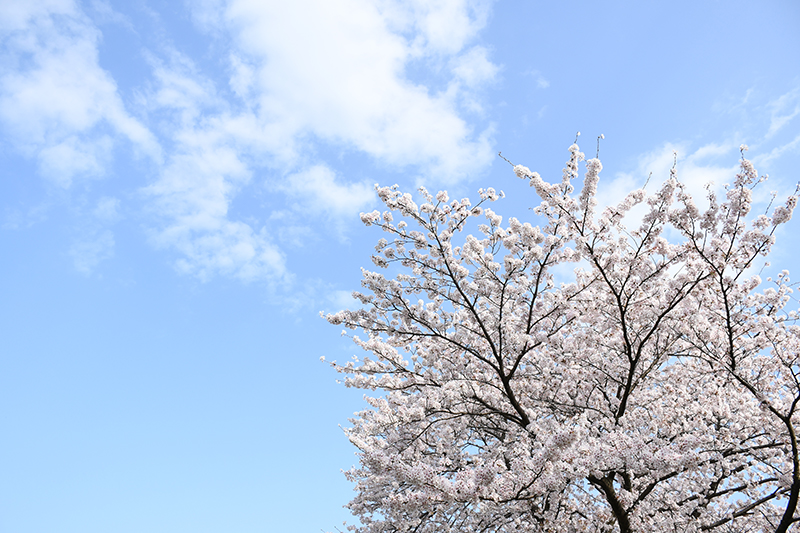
655	390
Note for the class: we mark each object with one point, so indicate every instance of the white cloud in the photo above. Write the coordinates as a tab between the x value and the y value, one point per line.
193	193
696	171
317	189
193	200
15	15
107	209
783	110
54	96
242	76
104	13
337	71
540	81
230	248
307	72
95	242
315	194
308	75
206	169
434	28
339	300
474	68
178	88
88	253
74	156
777	152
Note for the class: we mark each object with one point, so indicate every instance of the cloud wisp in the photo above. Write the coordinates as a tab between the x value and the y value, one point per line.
337	72
57	105
302	76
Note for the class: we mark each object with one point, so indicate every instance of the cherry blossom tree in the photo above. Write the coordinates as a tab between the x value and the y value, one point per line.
656	388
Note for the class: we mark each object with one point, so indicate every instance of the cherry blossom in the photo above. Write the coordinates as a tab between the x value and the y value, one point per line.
656	389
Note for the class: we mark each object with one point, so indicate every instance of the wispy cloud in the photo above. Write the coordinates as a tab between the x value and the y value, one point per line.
56	103
318	190
88	252
94	240
716	163
338	72
206	168
777	152
538	79
783	110
474	68
107	209
433	28
308	73
192	197
303	77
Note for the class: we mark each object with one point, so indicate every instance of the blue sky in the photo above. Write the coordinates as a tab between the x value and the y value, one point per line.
181	185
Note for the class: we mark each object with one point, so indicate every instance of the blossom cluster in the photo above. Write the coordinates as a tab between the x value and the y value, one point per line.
655	390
